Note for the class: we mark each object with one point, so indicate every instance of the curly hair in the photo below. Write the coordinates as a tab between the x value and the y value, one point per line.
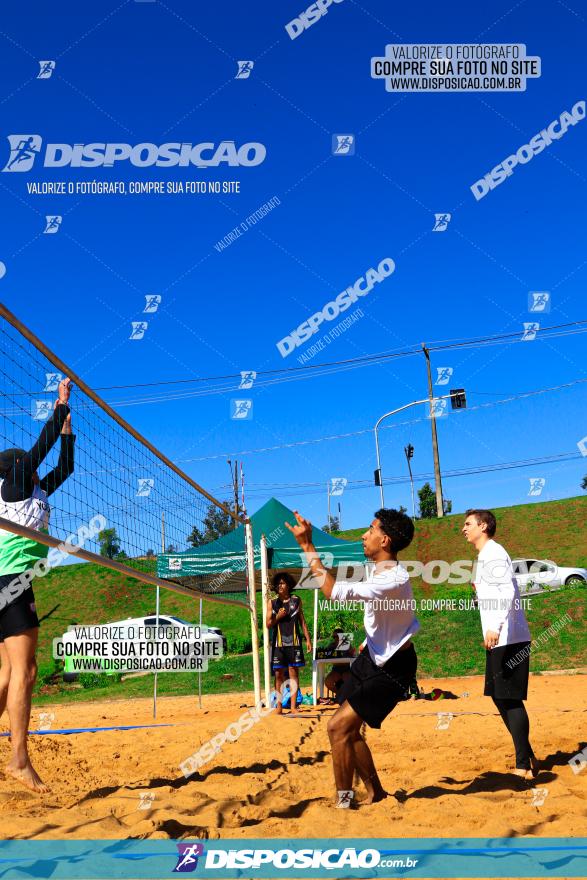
397	526
283	576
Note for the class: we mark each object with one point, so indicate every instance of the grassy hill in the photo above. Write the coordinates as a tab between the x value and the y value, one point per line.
448	644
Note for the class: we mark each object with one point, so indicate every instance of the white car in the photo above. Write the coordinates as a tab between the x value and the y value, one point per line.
538	574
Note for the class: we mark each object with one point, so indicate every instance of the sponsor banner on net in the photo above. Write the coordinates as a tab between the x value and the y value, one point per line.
339	858
455	67
134	648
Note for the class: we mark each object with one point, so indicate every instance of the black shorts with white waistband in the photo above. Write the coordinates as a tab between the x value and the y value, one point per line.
374	691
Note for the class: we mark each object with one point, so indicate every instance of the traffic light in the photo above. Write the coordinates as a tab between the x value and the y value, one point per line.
409	450
377	475
458	398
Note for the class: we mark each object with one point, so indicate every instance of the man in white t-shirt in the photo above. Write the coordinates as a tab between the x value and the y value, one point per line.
506	635
381	676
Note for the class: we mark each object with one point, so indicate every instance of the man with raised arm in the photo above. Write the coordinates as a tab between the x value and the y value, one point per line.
380	677
23	501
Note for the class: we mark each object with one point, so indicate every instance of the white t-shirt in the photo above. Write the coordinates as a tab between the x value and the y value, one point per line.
499	597
390	618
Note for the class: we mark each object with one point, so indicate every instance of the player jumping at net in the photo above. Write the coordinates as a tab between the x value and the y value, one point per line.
23	501
506	635
381	675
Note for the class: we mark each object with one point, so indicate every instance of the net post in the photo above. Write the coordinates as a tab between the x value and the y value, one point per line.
253	608
265	598
315	642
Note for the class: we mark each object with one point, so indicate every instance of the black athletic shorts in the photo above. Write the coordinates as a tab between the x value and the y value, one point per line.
284	657
373	691
20	614
506	672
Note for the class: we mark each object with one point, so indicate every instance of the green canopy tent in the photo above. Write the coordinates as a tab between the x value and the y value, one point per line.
226	555
221	565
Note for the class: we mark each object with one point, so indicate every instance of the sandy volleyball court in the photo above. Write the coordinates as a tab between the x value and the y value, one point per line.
276	780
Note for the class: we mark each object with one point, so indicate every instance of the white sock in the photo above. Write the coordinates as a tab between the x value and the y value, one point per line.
345	799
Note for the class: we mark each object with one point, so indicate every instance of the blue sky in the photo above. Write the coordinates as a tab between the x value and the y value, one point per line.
164	71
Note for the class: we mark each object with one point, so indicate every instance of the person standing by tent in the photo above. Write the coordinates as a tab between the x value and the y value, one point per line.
380	677
285	616
23	501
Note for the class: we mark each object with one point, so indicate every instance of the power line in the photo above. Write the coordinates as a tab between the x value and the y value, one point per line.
440	345
318	487
362	431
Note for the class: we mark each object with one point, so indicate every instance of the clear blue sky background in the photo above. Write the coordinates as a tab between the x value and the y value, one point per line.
164	71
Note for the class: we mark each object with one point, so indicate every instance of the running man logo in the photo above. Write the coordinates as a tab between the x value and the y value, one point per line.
188	855
53	224
437	408
338	485
144	487
539	301
52	381
46	69
441	222
308	577
345	641
146	799
152	303
343	145
244	69
530	331
138	329
537	484
45	720
444	374
41	410
443	721
578	762
539	795
241	409
24	149
247	378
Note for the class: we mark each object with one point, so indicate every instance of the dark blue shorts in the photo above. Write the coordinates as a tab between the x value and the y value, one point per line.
284	657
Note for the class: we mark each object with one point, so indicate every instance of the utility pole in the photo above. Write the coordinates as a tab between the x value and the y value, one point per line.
234	482
437	477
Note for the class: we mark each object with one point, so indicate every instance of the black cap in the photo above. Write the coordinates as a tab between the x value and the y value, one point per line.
8	459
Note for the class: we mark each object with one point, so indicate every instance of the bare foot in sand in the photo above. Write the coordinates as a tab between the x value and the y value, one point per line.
27	776
524	774
376	796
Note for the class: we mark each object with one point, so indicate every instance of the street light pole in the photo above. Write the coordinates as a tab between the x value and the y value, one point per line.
376	432
409	450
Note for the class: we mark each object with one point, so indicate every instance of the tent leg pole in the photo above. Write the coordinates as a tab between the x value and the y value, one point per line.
253	608
314	645
157	600
265	598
